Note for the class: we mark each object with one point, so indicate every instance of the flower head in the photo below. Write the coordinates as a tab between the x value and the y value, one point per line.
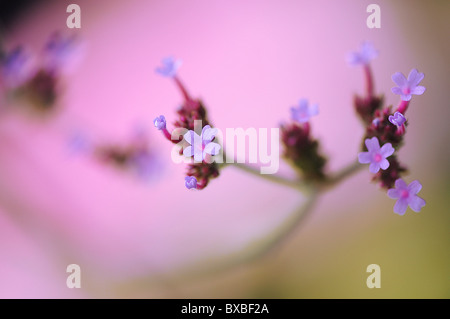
160	122
16	67
169	67
63	53
397	119
406	195
190	182
376	156
303	112
406	87
201	145
367	52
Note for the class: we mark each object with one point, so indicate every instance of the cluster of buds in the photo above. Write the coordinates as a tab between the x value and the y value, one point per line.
387	127
36	79
192	111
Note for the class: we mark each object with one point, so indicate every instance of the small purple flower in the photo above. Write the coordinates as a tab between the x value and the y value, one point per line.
406	88
397	119
169	67
160	122
201	145
406	195
367	52
190	182
376	121
303	112
376	156
63	53
16	67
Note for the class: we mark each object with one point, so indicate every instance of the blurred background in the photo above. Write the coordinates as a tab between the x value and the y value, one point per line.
85	178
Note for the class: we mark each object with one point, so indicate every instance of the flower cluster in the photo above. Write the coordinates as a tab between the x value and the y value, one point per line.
36	79
199	146
387	127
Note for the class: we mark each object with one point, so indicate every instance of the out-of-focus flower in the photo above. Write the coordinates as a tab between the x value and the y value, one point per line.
160	122
406	87
397	119
63	53
366	53
16	68
201	145
190	182
303	111
376	156
169	67
406	195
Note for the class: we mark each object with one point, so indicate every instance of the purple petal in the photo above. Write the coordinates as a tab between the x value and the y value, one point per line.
208	133
198	155
364	157
374	168
387	150
415	77
397	90
400	184
400	206
406	97
399	79
416	203
393	193
188	151
212	148
418	90
191	137
384	164
353	58
414	187
313	110
190	182
372	144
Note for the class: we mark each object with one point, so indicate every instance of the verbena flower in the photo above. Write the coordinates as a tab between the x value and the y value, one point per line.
160	122
190	182
16	67
169	67
406	195
303	112
366	53
397	119
376	156
63	53
201	145
406	87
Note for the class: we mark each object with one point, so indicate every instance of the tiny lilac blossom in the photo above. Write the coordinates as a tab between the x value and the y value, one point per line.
201	145
190	182
397	119
367	52
64	53
303	112
407	87
406	195
376	156
169	67
160	122
16	67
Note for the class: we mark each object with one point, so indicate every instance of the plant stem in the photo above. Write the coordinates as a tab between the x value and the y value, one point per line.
342	174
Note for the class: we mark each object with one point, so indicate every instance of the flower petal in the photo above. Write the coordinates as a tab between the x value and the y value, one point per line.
406	97
364	157
198	155
384	164
190	137
414	187
209	133
387	150
393	193
416	203
372	144
415	77
399	79
400	184
212	148
418	90
374	168
313	110
397	90
400	206
188	151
